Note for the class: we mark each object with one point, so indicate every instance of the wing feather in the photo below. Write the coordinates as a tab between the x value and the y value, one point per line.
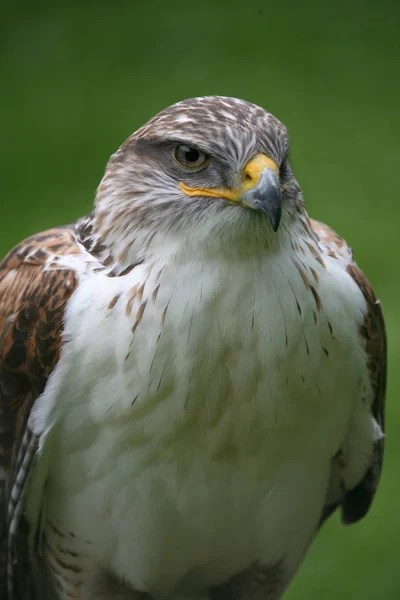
32	303
356	502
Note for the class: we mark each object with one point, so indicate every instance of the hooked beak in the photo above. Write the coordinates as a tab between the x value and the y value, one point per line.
260	189
266	196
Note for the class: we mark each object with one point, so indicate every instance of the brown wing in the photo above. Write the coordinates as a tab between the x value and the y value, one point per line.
32	303
356	502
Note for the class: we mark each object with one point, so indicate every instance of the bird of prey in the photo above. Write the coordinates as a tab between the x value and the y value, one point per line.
192	378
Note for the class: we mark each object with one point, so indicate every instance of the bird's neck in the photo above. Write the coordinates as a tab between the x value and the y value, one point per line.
238	240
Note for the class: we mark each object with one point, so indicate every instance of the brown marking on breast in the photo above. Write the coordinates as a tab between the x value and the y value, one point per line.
155	293
55	529
316	297
331	329
64	573
139	316
66	552
66	566
325	350
140	291
129	268
114	301
306	343
115	272
140	311
164	312
131	300
315	274
302	274
307	226
315	253
315	316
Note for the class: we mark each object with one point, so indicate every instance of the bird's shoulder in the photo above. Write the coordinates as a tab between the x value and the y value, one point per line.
372	330
331	243
372	336
35	286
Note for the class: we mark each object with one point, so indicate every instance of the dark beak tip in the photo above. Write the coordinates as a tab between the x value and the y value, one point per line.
273	217
266	196
276	221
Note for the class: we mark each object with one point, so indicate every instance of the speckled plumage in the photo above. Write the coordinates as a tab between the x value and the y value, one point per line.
185	395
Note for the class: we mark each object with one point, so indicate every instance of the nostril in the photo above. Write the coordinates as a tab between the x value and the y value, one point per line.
248	177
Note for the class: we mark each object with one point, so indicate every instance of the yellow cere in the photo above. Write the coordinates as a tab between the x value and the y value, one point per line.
251	176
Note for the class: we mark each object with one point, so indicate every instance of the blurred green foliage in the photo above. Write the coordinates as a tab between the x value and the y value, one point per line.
78	77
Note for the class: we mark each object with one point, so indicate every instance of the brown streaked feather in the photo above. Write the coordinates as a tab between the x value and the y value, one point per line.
356	502
32	303
335	244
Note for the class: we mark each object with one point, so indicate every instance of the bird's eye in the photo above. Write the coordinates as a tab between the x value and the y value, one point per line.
189	157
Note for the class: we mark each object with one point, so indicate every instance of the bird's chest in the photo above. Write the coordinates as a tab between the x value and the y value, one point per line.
199	402
215	353
224	352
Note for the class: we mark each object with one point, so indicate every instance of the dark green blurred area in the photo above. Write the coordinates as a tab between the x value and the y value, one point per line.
76	79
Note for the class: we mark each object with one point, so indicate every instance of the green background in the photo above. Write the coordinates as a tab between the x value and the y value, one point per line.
77	78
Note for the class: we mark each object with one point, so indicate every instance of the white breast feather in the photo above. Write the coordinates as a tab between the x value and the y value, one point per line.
199	441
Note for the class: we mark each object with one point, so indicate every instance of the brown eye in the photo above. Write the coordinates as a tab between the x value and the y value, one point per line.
189	157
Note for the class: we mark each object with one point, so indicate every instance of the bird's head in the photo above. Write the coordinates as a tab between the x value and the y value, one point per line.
202	168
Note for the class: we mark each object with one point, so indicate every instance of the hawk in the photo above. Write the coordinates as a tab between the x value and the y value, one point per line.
192	378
